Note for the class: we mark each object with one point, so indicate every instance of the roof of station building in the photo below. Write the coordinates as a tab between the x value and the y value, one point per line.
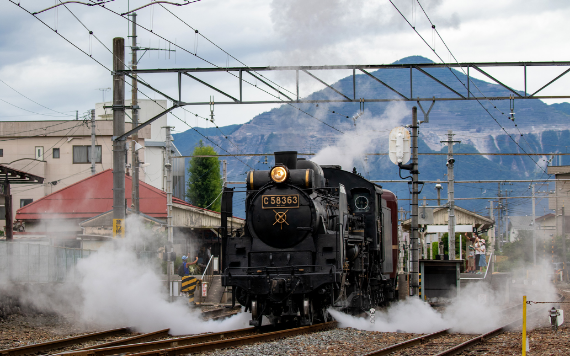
93	196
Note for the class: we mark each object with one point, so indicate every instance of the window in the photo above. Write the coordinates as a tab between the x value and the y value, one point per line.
24	202
40	153
55	153
2	212
82	154
1	152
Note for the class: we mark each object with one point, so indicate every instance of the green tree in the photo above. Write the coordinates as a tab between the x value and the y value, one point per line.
205	181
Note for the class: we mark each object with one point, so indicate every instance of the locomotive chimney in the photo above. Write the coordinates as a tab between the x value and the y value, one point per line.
286	158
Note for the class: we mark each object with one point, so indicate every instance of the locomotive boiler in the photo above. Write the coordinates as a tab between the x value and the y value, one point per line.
315	237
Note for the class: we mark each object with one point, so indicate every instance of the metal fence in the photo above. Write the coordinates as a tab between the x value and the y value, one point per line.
22	262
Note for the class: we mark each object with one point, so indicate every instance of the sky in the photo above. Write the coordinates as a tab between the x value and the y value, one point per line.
45	75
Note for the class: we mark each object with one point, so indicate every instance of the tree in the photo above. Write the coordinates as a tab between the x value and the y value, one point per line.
204	181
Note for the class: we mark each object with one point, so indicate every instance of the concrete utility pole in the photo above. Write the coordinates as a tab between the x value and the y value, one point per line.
450	195
118	128
135	118
492	216
168	166
499	219
93	160
438	187
533	227
414	228
225	172
565	274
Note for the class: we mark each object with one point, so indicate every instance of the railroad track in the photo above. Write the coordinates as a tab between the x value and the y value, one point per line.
58	344
147	344
465	341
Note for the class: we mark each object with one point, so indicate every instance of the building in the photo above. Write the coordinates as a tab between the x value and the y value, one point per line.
83	212
60	152
155	145
465	222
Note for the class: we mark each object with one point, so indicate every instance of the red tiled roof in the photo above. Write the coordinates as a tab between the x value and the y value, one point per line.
93	196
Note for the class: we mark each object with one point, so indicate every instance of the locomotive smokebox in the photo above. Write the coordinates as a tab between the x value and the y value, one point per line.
286	158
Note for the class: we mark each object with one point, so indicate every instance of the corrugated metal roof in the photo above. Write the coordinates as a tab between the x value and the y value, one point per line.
93	196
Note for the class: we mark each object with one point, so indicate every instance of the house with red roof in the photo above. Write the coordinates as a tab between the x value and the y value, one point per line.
57	218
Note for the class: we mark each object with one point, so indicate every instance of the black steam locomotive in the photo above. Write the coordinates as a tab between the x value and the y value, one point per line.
315	237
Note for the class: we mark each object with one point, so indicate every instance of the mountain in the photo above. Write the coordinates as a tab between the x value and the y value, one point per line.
312	128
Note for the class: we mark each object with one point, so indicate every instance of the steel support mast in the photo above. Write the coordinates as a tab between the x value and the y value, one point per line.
135	118
168	166
118	128
415	192
450	195
93	157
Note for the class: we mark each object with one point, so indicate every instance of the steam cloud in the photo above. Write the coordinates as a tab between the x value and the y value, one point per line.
478	309
369	133
112	288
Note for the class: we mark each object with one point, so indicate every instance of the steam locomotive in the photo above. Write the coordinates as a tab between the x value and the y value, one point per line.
315	237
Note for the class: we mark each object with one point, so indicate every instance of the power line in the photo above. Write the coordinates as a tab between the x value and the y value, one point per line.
33	112
33	101
211	63
478	101
102	65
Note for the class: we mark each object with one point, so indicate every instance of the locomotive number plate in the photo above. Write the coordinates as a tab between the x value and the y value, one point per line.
280	201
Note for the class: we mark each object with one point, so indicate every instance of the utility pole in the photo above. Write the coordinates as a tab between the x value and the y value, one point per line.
492	235
168	166
499	219
414	228
450	195
135	118
118	128
93	160
564	245
438	187
533	227
225	173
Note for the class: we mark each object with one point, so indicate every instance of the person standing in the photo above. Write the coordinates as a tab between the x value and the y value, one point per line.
482	256
477	253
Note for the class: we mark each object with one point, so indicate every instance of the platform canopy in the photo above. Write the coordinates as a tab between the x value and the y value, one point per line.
15	176
9	176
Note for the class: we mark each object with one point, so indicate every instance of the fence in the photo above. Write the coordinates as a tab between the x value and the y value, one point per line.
22	262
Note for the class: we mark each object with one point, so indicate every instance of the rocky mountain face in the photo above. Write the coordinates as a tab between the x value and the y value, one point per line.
480	126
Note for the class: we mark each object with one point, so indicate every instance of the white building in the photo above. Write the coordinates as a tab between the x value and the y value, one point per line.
155	146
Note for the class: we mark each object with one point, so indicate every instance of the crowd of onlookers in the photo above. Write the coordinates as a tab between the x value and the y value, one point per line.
477	258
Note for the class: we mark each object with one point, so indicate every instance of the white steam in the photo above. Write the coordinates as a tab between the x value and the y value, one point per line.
118	290
113	288
371	133
478	309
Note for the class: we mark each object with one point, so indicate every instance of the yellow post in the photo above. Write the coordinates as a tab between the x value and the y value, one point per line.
524	327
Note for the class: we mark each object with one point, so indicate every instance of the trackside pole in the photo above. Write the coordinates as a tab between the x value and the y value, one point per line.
524	327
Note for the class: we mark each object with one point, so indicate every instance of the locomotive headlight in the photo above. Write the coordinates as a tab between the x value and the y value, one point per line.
279	174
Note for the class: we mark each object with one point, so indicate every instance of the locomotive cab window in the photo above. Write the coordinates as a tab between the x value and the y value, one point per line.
361	200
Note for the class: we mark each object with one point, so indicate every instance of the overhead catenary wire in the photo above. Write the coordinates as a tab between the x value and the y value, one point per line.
102	65
478	101
33	101
213	64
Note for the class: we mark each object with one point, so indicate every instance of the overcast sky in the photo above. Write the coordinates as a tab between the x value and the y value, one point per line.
44	67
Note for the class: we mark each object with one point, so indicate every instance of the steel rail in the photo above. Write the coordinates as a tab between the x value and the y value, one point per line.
56	344
406	344
269	336
162	344
131	340
481	338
